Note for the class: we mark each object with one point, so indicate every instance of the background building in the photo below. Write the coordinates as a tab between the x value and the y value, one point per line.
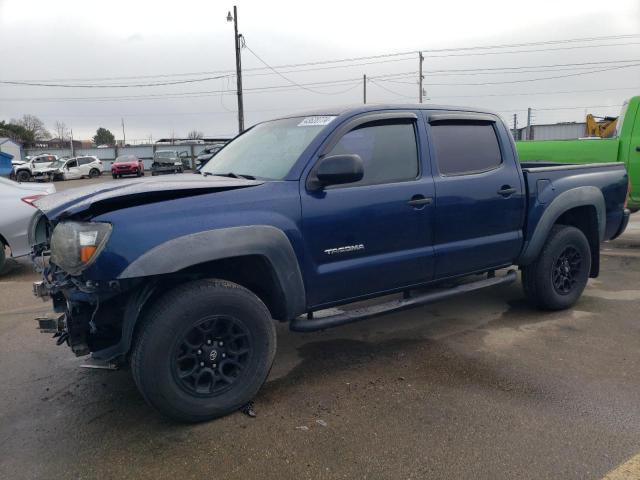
12	148
553	131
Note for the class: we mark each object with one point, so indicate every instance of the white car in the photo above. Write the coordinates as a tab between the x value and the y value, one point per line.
16	205
33	167
76	167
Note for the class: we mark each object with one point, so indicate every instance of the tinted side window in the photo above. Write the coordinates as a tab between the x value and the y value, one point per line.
84	160
388	151
72	164
465	147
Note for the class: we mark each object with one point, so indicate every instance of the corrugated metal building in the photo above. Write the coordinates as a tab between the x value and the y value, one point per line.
12	148
554	131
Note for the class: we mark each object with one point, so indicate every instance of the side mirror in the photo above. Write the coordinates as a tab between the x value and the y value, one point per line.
337	170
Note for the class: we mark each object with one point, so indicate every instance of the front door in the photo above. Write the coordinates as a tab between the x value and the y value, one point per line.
479	194
72	170
372	235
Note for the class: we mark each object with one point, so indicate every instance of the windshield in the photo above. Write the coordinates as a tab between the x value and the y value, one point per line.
57	164
165	154
125	158
269	149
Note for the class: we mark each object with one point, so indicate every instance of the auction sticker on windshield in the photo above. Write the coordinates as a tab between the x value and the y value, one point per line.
318	120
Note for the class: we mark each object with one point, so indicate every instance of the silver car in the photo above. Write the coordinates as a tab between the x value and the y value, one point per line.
16	205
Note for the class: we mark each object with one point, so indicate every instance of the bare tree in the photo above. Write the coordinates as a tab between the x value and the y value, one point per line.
195	135
34	126
62	132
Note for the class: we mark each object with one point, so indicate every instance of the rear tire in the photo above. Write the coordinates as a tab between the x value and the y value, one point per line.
203	350
557	278
94	173
23	176
138	174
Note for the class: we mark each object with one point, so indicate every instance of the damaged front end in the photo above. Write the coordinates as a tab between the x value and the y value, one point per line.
87	314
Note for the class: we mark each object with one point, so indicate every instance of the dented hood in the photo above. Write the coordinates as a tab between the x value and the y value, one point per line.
114	195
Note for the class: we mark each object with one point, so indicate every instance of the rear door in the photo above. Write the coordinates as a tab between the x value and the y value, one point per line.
84	165
479	193
372	235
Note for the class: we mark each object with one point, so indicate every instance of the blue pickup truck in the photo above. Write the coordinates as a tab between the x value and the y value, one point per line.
182	276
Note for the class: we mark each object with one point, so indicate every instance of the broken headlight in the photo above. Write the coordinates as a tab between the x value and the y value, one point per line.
75	245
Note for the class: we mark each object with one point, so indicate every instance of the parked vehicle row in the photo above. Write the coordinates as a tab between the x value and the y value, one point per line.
168	161
127	165
74	168
48	167
207	154
33	167
303	214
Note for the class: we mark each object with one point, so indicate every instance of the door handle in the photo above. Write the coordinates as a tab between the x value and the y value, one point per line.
506	190
418	200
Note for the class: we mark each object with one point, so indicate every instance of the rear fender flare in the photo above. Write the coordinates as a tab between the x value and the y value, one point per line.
576	197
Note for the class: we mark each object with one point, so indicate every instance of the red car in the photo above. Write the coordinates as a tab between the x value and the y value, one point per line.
127	165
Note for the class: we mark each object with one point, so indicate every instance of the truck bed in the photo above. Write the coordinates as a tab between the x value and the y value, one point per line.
544	181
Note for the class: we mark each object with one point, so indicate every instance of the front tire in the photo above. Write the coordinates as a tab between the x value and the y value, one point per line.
557	278
204	350
23	176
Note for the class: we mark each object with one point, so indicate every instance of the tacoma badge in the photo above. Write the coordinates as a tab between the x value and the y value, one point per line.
345	249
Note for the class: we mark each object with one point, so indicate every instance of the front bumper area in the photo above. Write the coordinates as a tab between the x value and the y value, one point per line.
87	315
69	324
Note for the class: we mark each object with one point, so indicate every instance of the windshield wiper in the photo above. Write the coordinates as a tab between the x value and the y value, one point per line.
230	175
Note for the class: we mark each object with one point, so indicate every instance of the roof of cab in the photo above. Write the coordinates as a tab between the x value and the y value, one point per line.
354	109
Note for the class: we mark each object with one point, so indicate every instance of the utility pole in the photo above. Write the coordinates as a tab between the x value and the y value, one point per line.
124	137
421	59
529	123
515	126
364	91
73	154
237	40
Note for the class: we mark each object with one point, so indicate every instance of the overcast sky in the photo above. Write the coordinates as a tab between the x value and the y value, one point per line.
81	42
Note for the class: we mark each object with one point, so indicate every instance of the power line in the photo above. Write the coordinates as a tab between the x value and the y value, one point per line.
528	80
551	109
287	78
516	70
527	94
391	91
372	57
111	85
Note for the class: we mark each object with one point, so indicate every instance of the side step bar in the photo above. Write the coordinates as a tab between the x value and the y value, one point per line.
302	324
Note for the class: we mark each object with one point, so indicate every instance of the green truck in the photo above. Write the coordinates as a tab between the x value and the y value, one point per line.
623	147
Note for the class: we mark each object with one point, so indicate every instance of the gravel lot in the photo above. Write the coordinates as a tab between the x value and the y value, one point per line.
479	387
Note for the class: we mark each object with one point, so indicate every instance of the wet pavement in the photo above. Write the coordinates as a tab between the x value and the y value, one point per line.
482	386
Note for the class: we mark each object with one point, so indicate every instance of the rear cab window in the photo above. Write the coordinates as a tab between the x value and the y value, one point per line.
465	147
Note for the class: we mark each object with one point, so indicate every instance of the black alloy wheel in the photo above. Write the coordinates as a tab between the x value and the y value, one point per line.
566	270
211	355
